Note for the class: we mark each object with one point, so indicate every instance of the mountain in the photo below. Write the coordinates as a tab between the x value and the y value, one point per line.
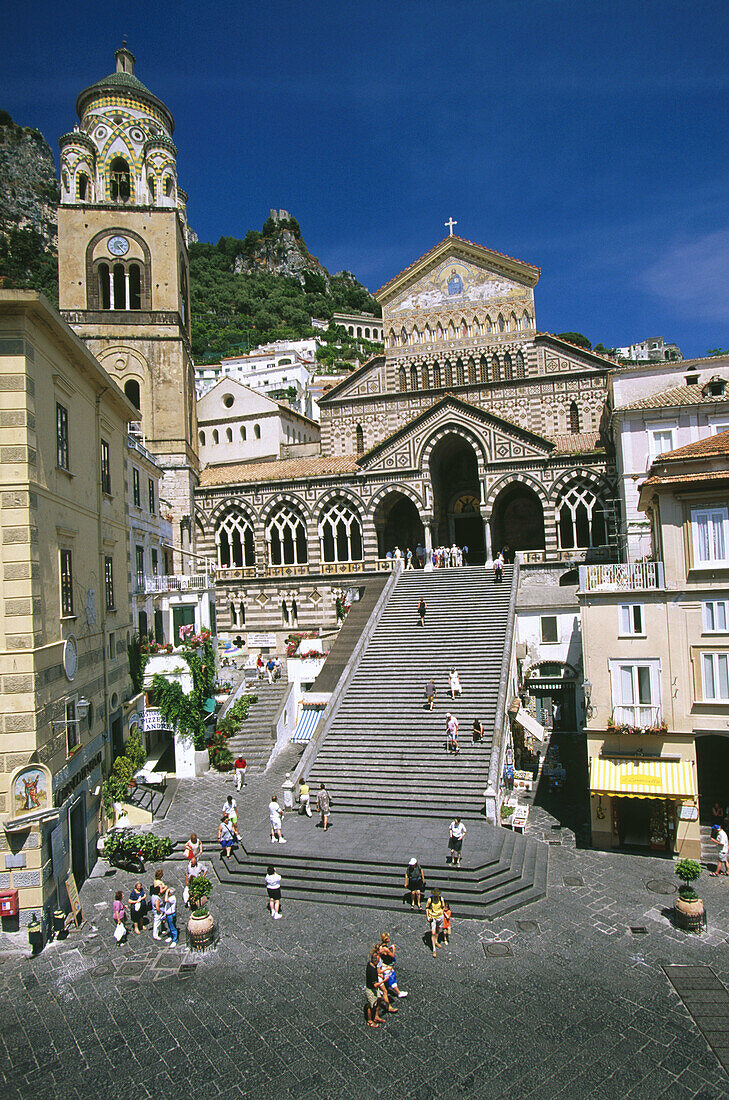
29	194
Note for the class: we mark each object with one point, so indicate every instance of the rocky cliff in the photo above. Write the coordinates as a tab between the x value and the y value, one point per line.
279	250
29	189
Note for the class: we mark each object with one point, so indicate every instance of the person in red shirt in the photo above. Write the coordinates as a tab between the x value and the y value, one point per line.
240	772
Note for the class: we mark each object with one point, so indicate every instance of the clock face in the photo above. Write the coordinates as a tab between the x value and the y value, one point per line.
70	657
118	246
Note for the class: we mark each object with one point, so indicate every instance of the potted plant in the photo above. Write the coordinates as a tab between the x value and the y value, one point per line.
689	911
201	931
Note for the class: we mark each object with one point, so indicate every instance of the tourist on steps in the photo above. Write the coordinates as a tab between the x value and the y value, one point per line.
324	805
430	693
452	733
454	683
414	882
273	886
478	730
498	569
422	608
434	912
304	797
456	833
275	814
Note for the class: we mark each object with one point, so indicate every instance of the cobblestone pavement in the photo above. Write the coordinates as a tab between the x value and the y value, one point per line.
560	999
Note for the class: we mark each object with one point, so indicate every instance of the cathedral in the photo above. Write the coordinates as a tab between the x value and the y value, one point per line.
472	427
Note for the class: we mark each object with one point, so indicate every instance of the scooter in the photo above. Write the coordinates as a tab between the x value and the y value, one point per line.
123	854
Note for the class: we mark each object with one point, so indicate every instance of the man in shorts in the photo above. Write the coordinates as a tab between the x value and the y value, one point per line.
374	989
324	805
456	833
435	912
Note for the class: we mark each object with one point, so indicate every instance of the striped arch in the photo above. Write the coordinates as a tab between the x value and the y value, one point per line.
236	503
394	487
597	482
518	478
453	427
292	500
344	493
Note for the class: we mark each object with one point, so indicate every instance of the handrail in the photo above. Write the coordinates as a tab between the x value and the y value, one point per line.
622	576
491	794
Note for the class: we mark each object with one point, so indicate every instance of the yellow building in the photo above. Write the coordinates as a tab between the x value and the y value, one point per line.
656	656
65	611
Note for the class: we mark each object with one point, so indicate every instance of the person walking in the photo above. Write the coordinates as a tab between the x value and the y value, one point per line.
434	913
446	921
259	666
230	807
456	833
227	837
273	886
240	772
408	558
171	914
193	847
119	915
422	608
374	990
478	730
387	960
498	569
138	907
414	882
275	815
324	805
464	552
719	837
304	797
159	923
430	693
270	666
454	683
452	733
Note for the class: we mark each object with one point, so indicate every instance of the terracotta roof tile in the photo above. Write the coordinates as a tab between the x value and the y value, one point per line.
285	469
578	443
677	479
677	395
712	446
463	241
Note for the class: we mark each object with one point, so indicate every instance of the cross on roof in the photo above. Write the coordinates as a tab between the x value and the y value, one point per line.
449	225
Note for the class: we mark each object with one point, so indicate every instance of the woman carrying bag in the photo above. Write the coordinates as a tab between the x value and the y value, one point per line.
119	914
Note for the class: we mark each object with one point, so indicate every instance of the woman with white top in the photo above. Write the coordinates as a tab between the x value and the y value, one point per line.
273	885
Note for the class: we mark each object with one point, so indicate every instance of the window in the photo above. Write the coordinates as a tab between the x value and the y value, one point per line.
136	491
151	494
83	186
286	537
155	562
73	735
66	582
140	567
112	646
581	519
109	583
202	439
716	616
119	180
660	440
636	692
236	546
630	619
550	632
229	434
215	436
105	467
242	433
61	436
131	389
257	431
709	530
574	419
340	534
715	677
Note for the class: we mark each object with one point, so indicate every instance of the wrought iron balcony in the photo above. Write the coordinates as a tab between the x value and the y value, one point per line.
178	582
622	577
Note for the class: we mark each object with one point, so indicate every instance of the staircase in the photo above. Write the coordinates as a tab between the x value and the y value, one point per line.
255	740
385	752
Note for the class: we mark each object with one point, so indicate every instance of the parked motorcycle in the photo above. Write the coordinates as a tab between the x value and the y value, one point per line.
121	847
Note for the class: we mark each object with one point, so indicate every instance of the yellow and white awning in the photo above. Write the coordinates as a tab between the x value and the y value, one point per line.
642	778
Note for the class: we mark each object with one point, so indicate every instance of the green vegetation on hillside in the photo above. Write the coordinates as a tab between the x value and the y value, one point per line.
26	261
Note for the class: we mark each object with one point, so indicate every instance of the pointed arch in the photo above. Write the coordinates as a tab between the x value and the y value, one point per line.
447	373
425	376
234	540
120	180
359	440
402	382
574	418
581	518
427	334
437	377
525	320
464	329
286	536
513	323
403	336
340	533
484	369
392	339
501	323
415	335
472	373
488	325
440	335
413	376
519	365
508	369
476	327
460	379
495	368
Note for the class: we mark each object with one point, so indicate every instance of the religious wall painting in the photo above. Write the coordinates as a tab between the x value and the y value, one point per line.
452	283
30	790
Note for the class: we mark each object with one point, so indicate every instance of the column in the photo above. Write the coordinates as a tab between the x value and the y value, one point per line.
428	546
487	539
126	289
112	304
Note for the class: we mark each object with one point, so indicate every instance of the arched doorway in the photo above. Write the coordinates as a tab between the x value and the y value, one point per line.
398	523
457	496
517	519
712	764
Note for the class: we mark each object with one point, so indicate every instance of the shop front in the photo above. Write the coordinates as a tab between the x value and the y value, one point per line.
643	804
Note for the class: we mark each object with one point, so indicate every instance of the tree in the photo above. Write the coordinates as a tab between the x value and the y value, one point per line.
712	353
575	338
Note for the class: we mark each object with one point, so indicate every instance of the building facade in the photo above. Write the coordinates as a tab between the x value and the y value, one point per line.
123	268
66	615
656	653
653	349
472	428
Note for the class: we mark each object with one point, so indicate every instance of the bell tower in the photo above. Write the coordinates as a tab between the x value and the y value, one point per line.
123	269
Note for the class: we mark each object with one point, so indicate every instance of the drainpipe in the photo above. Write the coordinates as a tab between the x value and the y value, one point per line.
102	587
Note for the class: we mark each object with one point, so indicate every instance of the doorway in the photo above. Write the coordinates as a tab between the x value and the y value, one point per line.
398	523
457	496
517	519
712	764
77	830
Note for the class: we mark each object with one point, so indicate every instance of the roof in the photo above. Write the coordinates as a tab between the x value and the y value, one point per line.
547	595
577	347
712	446
578	443
450	240
678	479
673	397
286	469
679	364
122	82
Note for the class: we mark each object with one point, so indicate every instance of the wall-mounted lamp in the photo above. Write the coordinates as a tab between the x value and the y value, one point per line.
587	688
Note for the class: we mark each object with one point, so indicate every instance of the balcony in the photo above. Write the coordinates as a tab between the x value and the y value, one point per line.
250	572
622	577
637	718
178	582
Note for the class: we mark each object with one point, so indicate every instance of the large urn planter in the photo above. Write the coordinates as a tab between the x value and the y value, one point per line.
202	932
689	912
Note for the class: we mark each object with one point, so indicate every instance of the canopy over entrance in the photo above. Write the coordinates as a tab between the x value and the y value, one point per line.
642	778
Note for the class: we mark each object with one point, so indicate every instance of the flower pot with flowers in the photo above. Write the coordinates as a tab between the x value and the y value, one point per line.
201	930
689	912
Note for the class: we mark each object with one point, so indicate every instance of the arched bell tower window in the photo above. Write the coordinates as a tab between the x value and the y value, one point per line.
152	185
131	389
104	277
135	287
119	180
168	186
83	186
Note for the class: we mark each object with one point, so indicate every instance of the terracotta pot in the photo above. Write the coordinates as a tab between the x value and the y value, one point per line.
201	932
689	915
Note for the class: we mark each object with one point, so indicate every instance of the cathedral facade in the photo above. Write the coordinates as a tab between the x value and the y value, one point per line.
471	428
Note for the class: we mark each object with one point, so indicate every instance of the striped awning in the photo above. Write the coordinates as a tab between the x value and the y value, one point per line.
642	778
306	725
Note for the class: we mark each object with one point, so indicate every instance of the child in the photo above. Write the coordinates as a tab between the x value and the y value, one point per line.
446	922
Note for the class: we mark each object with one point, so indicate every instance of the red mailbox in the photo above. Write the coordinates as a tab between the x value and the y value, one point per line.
9	903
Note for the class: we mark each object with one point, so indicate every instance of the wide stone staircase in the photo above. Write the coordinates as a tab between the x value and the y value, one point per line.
385	752
256	740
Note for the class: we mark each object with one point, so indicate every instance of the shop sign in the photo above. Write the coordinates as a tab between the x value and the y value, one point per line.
260	641
688	812
67	790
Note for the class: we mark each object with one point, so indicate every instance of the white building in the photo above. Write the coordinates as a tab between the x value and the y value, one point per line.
653	349
276	369
239	424
363	326
655	411
549	633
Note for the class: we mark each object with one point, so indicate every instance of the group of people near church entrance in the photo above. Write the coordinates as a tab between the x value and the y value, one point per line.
443	557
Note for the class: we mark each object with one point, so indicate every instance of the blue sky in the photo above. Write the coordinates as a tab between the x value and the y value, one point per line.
587	137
